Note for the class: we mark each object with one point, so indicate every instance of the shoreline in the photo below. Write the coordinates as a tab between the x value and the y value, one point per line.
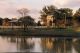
40	32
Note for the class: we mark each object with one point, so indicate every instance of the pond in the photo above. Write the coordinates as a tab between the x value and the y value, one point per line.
38	44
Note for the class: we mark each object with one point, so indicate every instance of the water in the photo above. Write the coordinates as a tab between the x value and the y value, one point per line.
42	45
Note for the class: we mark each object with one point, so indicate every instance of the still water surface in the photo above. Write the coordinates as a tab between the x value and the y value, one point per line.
47	45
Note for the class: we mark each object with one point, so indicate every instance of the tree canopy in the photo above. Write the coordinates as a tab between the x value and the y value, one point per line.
23	11
59	14
47	10
27	20
77	15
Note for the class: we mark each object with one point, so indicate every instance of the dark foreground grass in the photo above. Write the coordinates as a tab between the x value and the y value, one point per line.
40	32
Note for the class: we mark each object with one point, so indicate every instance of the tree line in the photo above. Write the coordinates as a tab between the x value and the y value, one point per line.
61	15
27	20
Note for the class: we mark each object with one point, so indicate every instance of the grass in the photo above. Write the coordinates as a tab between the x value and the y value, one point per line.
38	31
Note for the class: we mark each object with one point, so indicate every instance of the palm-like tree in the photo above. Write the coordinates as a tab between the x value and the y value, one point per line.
47	10
62	15
77	16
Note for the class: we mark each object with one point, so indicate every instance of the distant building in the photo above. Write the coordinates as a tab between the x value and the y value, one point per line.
49	20
6	22
15	23
11	22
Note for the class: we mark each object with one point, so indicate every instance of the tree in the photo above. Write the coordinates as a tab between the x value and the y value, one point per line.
77	18
1	21
27	20
63	12
23	11
64	15
39	23
47	10
77	15
6	21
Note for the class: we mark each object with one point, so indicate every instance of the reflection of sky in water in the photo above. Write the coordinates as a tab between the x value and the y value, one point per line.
73	50
5	46
37	45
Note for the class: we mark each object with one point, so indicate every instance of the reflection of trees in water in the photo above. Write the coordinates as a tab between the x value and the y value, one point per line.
63	45
47	44
76	45
11	39
22	43
51	45
56	45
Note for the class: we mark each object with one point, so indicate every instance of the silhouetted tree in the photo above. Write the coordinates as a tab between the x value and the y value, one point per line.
27	20
39	24
59	14
64	14
23	11
77	15
47	10
1	21
6	21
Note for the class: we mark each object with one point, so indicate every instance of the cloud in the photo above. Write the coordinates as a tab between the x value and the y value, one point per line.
67	3
73	4
8	8
60	3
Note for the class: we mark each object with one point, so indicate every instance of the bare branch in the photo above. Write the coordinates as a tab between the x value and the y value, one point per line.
23	11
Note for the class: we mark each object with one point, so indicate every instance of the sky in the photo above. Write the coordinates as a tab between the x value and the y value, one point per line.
8	8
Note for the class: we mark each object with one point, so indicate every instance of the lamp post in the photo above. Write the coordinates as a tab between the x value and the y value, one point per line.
58	14
65	19
66	15
64	37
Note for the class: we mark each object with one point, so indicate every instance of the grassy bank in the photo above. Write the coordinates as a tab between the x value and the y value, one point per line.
39	32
